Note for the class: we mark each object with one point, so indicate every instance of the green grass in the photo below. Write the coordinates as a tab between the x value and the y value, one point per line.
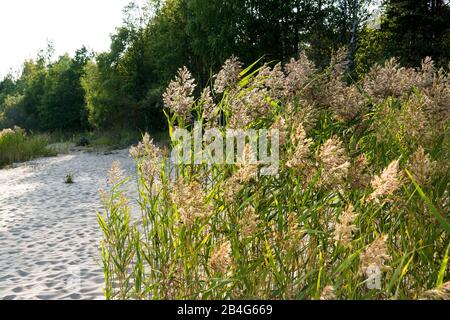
69	179
105	140
16	146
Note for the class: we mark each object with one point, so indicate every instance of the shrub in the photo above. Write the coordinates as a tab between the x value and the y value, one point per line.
16	146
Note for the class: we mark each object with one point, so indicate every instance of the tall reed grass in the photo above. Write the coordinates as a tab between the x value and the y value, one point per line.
359	209
17	146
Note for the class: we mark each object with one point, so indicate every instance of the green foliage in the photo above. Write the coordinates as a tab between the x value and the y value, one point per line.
122	87
99	140
12	111
69	179
371	50
113	139
16	146
32	85
418	28
46	96
62	105
225	231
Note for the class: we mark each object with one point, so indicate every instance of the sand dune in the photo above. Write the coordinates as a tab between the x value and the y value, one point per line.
49	236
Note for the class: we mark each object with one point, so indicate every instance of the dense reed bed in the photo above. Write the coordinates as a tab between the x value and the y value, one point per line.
359	208
17	146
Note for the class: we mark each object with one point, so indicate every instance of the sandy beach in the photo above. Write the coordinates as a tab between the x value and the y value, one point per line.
49	236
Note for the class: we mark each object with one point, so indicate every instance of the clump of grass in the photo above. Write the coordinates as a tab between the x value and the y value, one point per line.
17	146
345	218
69	179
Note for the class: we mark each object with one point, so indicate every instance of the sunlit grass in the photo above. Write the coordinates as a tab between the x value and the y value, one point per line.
16	146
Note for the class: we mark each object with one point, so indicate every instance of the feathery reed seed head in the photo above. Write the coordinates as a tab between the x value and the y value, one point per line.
275	81
298	73
221	258
249	222
145	148
375	255
387	183
228	77
116	174
441	293
346	226
335	163
179	94
299	159
391	80
191	202
421	167
360	173
209	108
328	293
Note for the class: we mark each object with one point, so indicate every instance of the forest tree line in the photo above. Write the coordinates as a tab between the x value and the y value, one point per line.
122	88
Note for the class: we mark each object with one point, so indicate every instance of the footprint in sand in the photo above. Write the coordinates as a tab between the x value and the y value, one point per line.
48	231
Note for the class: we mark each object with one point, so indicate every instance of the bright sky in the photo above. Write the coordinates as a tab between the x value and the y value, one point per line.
25	26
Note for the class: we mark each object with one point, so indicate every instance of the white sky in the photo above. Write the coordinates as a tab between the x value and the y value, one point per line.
25	26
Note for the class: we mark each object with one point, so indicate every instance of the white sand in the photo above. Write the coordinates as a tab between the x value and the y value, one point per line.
49	236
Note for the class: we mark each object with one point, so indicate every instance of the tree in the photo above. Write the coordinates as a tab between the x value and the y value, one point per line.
32	86
7	87
418	28
125	85
62	104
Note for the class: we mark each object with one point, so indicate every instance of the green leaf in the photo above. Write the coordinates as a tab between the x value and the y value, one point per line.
272	261
444	223
443	268
246	70
400	272
347	262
